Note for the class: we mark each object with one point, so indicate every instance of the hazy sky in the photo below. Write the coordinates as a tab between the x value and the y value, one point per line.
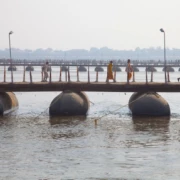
82	24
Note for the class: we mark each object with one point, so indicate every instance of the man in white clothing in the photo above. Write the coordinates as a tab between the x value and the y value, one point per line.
45	71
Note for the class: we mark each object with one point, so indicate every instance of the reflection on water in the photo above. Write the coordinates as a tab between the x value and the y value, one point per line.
6	120
66	120
158	127
67	127
151	123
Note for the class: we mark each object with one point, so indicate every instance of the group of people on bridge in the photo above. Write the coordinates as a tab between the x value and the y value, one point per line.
129	71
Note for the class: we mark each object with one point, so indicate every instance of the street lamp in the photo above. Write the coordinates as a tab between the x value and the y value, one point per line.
10	54
162	30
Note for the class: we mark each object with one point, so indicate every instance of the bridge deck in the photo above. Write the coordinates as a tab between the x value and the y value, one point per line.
92	86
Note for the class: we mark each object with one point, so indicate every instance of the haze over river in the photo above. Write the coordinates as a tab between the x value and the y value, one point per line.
36	146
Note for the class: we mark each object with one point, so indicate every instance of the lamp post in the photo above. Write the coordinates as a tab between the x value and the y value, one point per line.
10	54
162	30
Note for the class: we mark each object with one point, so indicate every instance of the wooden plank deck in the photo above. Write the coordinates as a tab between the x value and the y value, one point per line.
92	86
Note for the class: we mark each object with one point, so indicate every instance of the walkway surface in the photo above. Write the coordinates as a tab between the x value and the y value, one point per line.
92	86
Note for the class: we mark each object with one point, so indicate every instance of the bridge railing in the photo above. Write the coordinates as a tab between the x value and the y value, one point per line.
55	62
74	73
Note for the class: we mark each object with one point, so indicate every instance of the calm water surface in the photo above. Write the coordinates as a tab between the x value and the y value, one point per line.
35	146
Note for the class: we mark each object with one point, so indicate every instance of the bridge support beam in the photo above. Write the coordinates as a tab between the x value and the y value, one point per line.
69	103
8	102
148	104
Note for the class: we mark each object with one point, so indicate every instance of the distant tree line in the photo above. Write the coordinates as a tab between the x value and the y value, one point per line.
103	53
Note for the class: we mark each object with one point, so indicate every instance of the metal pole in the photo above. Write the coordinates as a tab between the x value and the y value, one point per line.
165	58
10	45
10	55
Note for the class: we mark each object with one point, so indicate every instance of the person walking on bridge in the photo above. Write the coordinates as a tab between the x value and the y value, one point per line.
109	71
129	69
45	71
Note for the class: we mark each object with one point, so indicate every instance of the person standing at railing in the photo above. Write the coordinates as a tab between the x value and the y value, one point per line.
45	71
109	71
129	69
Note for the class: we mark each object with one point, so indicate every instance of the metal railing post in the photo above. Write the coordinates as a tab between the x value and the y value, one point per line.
12	79
50	76
146	76
88	75
77	74
66	75
24	73
4	73
151	75
168	76
30	74
133	76
114	76
60	73
69	75
42	74
127	77
96	76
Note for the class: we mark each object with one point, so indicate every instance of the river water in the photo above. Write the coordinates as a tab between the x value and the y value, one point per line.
36	146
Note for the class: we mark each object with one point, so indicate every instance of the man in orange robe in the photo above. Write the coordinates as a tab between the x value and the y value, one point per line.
109	71
129	69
